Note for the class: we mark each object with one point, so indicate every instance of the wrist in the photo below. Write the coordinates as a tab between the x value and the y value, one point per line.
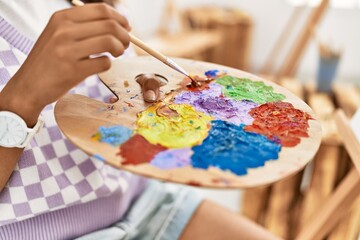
20	104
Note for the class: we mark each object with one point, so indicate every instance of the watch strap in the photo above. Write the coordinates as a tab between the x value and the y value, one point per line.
32	131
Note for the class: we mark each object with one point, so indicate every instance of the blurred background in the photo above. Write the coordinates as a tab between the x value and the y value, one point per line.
311	47
266	21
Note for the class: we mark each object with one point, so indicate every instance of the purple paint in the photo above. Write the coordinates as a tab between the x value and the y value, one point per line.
172	158
212	102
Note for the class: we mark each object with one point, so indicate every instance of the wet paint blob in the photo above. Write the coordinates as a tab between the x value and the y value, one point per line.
280	122
186	83
229	147
173	126
173	158
245	89
213	103
113	135
212	73
137	150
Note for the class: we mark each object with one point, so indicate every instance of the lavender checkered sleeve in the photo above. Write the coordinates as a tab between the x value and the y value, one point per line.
52	173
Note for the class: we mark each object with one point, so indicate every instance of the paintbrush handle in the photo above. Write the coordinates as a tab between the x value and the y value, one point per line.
157	54
146	48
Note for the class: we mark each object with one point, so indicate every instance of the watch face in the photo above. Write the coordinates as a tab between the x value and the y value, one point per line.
12	131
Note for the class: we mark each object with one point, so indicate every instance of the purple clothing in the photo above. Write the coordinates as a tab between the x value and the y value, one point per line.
53	176
73	221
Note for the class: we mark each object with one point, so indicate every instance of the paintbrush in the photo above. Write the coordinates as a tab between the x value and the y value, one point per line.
152	52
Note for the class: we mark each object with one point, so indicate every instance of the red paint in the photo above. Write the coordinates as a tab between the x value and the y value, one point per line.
220	181
216	181
280	122
137	150
194	184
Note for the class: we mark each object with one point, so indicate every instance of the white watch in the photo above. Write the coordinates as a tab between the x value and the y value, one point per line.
14	132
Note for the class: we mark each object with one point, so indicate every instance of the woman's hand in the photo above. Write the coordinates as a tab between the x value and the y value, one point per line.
60	58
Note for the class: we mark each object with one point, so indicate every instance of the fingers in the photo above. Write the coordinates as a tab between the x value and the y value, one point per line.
98	28
113	100
151	90
92	12
150	84
99	44
92	66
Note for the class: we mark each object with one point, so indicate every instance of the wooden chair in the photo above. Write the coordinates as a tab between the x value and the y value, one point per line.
347	192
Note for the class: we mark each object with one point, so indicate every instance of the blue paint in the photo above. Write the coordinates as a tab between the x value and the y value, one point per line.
211	73
229	147
99	157
115	135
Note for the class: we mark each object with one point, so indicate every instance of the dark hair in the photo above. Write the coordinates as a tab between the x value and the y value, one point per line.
110	2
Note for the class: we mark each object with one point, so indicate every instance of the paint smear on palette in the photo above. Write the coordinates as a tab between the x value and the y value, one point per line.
187	86
213	103
173	158
194	184
137	150
229	147
245	89
212	73
173	125
99	157
129	104
280	122
113	135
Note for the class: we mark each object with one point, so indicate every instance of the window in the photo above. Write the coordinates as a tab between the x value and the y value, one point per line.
334	3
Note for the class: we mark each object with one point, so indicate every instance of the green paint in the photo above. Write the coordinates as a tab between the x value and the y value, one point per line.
245	89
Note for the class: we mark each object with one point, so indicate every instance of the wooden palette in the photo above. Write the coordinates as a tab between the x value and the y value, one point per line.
80	117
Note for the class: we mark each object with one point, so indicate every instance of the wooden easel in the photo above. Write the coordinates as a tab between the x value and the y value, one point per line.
291	62
346	193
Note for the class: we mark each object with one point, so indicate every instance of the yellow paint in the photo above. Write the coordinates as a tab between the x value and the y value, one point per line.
187	128
96	137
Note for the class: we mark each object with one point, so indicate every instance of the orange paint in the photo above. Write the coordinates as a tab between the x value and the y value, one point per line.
204	81
129	104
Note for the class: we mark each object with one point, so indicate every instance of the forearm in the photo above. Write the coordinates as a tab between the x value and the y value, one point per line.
12	100
59	61
8	160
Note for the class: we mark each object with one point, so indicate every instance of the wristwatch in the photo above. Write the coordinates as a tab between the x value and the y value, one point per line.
14	132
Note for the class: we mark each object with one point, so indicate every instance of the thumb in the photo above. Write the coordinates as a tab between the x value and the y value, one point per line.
150	85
